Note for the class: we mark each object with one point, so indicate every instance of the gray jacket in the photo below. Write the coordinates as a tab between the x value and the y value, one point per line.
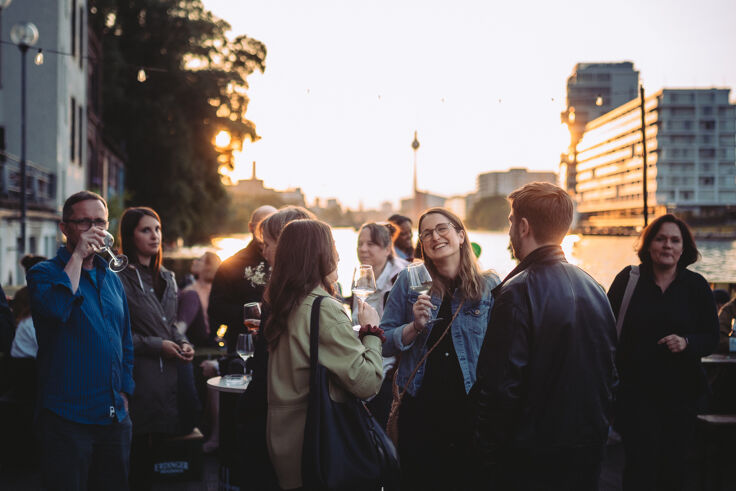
153	407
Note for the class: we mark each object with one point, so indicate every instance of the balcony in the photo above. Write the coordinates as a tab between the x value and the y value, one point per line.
40	185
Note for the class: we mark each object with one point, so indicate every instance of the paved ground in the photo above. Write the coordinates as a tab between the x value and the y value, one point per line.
27	479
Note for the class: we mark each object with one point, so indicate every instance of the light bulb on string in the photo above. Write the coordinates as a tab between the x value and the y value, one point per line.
141	75
38	59
599	100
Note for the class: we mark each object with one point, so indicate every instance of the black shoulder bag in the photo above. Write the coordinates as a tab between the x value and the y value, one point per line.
344	446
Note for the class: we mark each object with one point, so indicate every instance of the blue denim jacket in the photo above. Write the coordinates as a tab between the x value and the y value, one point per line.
467	331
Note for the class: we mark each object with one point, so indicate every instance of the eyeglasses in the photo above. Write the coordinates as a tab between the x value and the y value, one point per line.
85	224
442	230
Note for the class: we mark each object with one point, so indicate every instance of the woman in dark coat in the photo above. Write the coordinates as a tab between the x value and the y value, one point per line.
669	325
162	354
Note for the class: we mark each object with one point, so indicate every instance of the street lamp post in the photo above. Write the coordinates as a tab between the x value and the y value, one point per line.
24	35
3	4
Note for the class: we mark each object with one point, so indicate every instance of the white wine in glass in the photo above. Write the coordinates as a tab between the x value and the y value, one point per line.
364	282
421	282
419	279
117	262
245	347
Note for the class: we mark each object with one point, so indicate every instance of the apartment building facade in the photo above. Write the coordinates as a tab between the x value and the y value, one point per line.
691	164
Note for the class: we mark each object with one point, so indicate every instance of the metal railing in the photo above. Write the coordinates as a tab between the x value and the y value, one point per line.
40	182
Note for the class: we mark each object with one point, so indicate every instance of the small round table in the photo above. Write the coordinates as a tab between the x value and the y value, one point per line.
228	436
218	384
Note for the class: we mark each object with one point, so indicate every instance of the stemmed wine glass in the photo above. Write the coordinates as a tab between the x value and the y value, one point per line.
245	348
252	316
118	262
364	281
420	281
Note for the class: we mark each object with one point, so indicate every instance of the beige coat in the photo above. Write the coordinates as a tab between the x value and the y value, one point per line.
355	367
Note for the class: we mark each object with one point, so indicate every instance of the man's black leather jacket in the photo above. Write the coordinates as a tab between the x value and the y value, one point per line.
546	372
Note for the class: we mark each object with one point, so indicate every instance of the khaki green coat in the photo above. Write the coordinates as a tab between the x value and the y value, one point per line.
355	368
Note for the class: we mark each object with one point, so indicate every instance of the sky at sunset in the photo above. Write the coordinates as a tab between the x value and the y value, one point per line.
483	82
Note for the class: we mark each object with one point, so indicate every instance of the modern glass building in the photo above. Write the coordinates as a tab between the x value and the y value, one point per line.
691	165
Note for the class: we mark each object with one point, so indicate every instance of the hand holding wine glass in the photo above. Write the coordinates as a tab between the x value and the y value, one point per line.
364	282
117	262
421	282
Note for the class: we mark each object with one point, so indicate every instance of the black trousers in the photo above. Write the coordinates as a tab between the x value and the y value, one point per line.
435	447
78	456
569	469
658	442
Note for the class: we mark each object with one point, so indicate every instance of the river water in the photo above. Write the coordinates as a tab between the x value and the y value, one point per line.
601	256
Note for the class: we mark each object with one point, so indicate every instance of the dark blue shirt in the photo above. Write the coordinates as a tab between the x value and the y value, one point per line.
85	348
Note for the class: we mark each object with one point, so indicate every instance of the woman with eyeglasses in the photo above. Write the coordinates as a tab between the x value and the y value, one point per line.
435	420
162	369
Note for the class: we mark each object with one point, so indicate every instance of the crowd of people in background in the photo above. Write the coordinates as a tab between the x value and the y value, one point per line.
489	383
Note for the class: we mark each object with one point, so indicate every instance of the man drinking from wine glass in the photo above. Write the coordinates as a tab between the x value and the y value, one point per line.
85	356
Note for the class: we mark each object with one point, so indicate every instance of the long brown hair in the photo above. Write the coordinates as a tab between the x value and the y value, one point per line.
472	285
274	223
305	255
128	223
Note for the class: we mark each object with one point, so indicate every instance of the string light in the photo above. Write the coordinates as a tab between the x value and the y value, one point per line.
142	74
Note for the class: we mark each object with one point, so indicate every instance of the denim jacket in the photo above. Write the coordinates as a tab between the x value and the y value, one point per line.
467	331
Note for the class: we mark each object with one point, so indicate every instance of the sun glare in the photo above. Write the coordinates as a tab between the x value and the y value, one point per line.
227	246
222	139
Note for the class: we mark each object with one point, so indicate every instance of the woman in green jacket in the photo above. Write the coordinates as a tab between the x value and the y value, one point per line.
305	268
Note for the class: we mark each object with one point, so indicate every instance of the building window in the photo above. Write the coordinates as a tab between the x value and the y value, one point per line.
686	195
81	134
81	36
2	144
707	180
74	28
688	125
707	125
73	128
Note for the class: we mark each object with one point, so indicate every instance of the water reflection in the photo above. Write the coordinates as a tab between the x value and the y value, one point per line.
601	257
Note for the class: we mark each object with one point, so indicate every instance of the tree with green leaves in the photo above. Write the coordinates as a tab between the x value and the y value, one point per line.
173	79
489	213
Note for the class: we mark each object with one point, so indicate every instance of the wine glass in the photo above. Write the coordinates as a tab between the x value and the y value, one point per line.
245	347
421	282
364	282
118	262
252	316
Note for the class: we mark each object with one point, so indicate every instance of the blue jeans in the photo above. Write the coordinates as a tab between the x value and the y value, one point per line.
78	456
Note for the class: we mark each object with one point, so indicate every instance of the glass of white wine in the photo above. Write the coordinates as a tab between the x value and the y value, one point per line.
118	262
245	347
421	282
364	282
